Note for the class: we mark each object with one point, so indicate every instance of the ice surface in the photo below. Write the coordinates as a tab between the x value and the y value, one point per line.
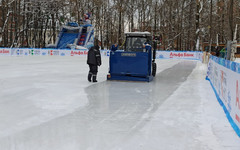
46	103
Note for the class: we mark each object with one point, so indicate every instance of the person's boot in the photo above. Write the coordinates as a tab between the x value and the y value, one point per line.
94	78
89	76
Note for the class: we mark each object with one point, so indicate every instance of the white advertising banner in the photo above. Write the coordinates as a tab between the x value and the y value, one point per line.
44	52
65	53
79	52
22	52
179	55
225	81
54	52
192	55
13	52
5	52
19	52
35	52
83	52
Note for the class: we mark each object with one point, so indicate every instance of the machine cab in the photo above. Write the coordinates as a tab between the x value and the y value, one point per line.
137	41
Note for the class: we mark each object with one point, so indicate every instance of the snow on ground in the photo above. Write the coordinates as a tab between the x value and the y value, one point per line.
190	119
37	89
46	103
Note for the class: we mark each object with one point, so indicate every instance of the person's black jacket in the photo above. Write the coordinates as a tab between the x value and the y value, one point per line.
94	56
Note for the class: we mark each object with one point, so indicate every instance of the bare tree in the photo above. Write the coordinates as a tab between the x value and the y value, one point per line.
182	24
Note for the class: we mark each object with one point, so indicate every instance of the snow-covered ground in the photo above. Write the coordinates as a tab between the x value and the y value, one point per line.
46	103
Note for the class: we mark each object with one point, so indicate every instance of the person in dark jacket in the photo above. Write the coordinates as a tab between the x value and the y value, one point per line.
93	60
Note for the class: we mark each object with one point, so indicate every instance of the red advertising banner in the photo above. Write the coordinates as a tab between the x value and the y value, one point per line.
5	52
78	52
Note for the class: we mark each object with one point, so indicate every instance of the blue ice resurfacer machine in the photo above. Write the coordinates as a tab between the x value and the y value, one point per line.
136	62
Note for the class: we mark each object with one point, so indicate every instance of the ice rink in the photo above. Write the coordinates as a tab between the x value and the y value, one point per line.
46	103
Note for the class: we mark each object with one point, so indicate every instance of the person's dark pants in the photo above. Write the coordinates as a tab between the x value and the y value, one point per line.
92	75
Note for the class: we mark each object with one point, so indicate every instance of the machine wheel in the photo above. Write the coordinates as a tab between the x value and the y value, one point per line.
154	69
